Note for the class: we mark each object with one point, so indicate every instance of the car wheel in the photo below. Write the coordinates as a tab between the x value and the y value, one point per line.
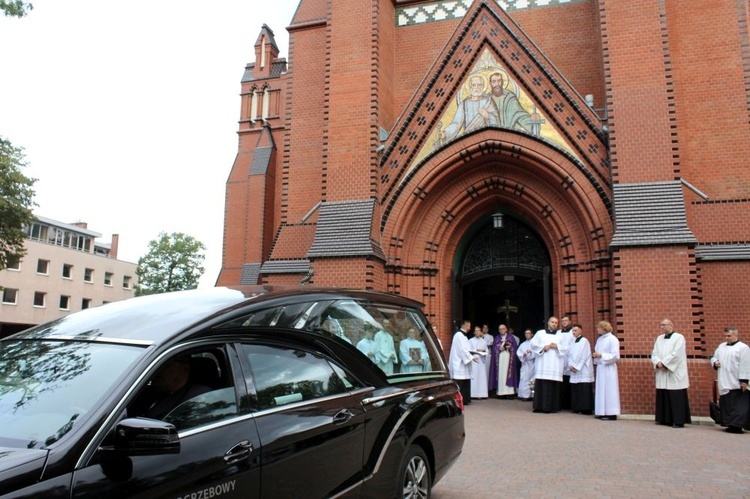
416	479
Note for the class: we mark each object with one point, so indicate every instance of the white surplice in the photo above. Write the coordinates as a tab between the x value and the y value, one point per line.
550	364
671	353
607	401
579	356
735	365
367	347
478	369
385	356
526	378
460	359
414	357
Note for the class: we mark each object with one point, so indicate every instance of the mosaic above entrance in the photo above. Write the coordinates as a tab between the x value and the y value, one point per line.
455	9
489	97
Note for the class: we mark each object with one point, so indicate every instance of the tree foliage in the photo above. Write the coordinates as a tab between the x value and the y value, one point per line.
174	262
15	8
16	201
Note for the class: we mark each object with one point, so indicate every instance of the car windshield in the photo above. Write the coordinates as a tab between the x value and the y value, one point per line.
47	386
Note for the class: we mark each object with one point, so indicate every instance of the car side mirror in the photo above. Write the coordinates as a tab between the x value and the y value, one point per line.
144	437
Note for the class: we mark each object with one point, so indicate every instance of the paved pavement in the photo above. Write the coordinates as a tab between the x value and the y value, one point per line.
512	452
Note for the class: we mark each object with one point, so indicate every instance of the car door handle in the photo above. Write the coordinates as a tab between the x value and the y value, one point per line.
239	452
342	416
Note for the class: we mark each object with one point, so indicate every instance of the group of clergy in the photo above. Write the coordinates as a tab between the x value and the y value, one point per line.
410	355
565	365
540	367
563	370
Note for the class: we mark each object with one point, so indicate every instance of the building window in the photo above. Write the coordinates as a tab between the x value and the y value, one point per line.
39	232
126	281
64	302
88	275
14	263
67	271
10	296
85	303
108	278
40	299
42	267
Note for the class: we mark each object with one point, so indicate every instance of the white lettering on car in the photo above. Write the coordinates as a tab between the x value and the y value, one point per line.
211	492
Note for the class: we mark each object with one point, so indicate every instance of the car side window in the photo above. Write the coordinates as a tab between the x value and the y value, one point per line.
286	375
395	340
189	389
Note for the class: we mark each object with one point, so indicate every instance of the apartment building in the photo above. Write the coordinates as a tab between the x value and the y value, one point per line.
65	269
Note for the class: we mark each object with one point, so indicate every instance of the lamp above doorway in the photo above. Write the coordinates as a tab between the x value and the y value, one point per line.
497	220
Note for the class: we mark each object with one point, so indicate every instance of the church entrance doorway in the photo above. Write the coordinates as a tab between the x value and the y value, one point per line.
504	278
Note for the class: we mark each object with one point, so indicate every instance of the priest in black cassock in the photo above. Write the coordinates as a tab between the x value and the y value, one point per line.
732	364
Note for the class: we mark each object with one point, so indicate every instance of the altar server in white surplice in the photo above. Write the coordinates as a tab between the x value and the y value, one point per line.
414	358
367	345
550	359
671	377
606	354
581	370
385	356
732	364
460	361
526	356
478	371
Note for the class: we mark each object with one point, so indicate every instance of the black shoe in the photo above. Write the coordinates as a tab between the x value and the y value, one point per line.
733	429
678	426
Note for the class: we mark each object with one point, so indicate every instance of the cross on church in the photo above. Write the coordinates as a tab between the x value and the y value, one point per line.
507	309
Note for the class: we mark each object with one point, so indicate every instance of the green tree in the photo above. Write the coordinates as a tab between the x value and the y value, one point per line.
15	8
173	263
16	201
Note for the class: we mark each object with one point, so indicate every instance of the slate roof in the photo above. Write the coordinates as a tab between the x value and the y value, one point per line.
708	252
650	214
278	67
344	229
250	272
285	267
261	160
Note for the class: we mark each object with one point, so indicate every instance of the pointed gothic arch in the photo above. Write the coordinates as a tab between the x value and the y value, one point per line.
487	29
475	176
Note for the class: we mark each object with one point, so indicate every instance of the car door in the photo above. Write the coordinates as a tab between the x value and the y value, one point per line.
218	443
311	426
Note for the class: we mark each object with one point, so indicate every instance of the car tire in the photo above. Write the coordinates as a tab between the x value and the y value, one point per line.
416	477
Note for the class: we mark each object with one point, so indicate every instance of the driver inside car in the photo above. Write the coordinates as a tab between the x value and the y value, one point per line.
170	386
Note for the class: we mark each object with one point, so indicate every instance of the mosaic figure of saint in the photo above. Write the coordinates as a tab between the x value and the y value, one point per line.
511	113
474	112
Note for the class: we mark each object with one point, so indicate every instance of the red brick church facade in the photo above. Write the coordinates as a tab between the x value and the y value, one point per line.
611	136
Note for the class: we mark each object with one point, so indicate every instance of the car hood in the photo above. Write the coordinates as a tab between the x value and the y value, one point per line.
20	467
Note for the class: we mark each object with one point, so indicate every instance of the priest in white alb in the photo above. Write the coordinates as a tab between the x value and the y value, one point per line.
478	371
527	357
606	354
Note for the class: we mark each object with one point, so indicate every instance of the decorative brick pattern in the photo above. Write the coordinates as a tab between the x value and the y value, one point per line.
456	9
